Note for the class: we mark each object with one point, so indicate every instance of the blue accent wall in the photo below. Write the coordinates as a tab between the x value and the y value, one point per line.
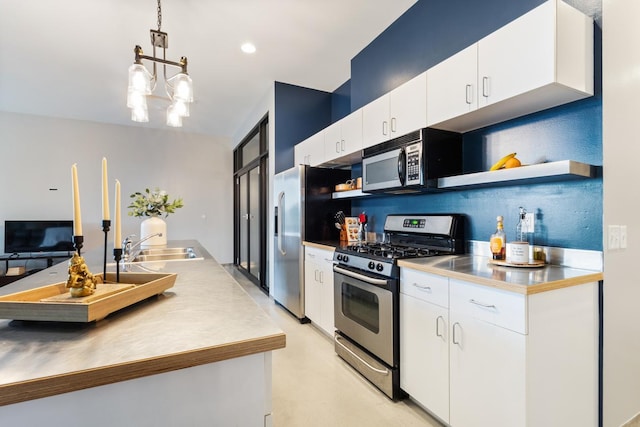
429	32
568	213
341	102
300	112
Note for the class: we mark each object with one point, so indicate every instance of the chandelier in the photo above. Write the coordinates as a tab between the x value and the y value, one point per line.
178	88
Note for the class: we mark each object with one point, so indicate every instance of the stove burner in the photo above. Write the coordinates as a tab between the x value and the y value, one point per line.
391	251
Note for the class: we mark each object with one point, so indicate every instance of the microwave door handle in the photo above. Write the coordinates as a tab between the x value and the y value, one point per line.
402	166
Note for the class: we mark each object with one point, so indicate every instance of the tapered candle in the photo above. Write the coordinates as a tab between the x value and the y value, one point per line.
117	237
77	220
105	191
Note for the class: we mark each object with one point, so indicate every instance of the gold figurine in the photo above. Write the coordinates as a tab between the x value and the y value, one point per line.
81	282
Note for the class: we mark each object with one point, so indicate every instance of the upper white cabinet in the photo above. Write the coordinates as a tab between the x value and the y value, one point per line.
540	60
310	151
397	113
343	140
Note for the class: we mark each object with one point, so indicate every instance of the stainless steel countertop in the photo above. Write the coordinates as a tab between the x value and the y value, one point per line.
477	269
205	317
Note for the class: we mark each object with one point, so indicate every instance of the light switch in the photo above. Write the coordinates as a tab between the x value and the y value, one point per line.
623	237
614	237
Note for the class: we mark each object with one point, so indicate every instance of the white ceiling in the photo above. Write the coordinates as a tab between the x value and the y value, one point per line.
69	58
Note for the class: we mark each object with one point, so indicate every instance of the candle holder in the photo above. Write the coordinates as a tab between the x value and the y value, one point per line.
117	256
77	243
106	225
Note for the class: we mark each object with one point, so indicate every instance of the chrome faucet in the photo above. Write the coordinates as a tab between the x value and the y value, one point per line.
128	245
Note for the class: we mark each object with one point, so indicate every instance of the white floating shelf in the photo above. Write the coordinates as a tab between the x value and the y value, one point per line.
532	174
349	194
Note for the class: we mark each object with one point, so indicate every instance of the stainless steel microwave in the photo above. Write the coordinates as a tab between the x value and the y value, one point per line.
412	163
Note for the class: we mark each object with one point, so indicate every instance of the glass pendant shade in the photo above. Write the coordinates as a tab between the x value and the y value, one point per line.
139	79
173	118
140	114
182	87
136	99
181	108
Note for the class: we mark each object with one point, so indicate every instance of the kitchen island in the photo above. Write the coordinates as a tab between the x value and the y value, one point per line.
198	354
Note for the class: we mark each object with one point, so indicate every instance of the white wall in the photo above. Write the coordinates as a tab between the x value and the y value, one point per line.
621	151
37	154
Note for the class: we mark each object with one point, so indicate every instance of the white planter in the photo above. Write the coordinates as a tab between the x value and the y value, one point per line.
151	226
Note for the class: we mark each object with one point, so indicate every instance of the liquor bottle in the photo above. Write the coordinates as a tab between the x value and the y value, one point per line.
498	242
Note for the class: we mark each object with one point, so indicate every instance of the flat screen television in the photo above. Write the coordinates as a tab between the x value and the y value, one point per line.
38	236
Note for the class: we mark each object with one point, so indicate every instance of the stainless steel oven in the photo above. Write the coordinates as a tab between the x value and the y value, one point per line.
366	319
367	294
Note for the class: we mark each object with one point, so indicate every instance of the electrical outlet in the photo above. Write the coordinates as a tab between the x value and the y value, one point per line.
614	237
530	218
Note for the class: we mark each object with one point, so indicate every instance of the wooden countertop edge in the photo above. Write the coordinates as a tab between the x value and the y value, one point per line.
79	380
511	287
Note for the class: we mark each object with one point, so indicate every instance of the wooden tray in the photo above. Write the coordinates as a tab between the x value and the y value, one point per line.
517	264
54	303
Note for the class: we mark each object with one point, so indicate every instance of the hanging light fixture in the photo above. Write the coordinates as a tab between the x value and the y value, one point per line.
179	87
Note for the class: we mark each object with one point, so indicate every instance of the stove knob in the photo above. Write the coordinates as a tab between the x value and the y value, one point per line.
379	267
372	265
345	258
339	257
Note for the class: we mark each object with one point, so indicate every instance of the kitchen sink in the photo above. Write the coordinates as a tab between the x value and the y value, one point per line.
166	254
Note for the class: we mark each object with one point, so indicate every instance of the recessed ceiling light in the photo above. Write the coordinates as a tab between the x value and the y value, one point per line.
248	47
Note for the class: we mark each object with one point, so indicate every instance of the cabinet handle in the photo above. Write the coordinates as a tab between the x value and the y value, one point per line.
322	277
422	287
453	338
393	124
337	146
469	95
438	334
481	304
315	275
342	145
384	127
485	87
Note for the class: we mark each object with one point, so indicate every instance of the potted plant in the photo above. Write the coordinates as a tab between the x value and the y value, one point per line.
153	204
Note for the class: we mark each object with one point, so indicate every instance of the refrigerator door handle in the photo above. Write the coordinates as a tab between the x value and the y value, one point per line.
281	222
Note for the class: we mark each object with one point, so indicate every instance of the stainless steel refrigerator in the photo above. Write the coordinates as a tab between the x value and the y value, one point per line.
304	210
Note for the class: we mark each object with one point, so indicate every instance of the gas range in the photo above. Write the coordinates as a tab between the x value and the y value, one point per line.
407	236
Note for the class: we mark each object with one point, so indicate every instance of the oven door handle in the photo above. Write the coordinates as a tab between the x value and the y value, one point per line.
373	368
359	276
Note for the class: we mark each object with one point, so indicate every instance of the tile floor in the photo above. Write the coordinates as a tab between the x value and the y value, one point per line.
312	386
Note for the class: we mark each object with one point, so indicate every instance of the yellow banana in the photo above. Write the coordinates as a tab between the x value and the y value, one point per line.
500	163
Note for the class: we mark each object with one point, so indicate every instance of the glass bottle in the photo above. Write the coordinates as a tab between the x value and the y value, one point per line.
498	242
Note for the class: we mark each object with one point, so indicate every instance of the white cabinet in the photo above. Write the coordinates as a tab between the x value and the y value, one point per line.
397	113
318	287
310	151
343	140
538	61
475	355
487	357
424	340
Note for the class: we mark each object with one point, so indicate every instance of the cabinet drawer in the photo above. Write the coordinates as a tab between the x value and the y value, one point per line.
317	254
498	307
425	286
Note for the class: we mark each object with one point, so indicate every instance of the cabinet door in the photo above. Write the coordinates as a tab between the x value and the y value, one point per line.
375	122
452	86
518	57
487	364
311	288
326	300
315	149
408	106
351	129
424	354
332	142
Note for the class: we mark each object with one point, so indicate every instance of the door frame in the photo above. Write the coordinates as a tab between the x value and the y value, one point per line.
261	161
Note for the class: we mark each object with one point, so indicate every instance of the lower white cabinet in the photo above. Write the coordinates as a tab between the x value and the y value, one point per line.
318	287
509	359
